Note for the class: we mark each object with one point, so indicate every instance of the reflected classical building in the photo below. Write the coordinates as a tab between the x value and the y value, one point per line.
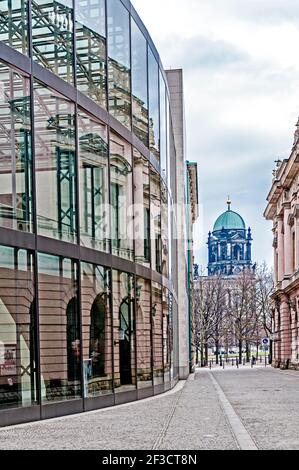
90	149
229	245
283	211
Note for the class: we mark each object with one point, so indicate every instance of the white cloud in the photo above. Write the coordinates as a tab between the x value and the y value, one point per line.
241	76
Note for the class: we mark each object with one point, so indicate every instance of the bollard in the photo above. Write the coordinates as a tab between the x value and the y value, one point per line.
210	365
237	363
243	361
233	362
223	365
251	364
260	358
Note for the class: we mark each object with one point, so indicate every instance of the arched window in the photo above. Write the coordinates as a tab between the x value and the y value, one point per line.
73	342
97	336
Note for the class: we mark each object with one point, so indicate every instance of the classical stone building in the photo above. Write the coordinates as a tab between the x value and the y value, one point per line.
229	245
283	211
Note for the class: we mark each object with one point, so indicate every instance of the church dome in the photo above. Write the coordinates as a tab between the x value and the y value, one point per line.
229	220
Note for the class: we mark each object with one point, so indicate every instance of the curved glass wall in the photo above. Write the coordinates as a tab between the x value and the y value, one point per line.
89	316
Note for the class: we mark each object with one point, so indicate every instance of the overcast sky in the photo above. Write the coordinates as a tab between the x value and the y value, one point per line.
241	72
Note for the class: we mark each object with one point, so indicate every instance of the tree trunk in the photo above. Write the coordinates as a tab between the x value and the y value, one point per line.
196	356
206	354
240	351
247	352
217	351
201	356
271	351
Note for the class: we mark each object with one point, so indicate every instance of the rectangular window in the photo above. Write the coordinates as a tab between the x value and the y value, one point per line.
91	50
119	62
141	209
165	226
155	221
17	329
143	333
123	331
122	224
14	24
55	164
157	313
154	112
94	183
96	330
15	151
139	84
52	36
163	127
60	346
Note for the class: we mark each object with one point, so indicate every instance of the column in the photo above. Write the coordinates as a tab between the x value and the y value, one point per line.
288	244
285	328
280	249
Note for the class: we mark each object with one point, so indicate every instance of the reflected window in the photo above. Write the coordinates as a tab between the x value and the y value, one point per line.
141	209
55	164
157	314
91	49
139	84
16	210
60	346
94	186
167	335
154	111
17	329
119	62
52	36
155	221
123	331
14	24
122	229
97	330
165	229
143	333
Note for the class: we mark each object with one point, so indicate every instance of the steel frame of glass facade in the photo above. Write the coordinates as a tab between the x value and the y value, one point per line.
90	319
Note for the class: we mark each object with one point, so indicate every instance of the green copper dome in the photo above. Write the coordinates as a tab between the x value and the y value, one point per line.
229	220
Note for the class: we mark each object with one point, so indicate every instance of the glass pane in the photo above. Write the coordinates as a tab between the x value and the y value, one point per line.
154	112
91	49
139	84
141	209
15	151
96	330
122	224
60	348
94	183
119	63
17	329
163	136
52	36
55	164
165	226
123	331
14	24
143	333
167	335
155	221
157	333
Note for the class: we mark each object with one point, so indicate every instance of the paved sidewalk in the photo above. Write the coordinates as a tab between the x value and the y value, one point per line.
214	410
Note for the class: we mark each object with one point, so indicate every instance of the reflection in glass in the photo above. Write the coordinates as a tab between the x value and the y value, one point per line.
91	49
154	113
96	330
14	24
123	331
121	198
60	346
119	63
52	36
139	84
165	226
157	315
17	329
143	333
163	124
94	186
55	164
155	221
16	210
167	335
141	209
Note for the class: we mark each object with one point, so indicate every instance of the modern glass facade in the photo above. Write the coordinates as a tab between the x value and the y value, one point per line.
87	304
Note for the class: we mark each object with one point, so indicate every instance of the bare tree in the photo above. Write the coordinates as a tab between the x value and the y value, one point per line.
264	287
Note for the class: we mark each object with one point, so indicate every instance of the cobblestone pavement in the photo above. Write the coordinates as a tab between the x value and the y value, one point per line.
218	409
